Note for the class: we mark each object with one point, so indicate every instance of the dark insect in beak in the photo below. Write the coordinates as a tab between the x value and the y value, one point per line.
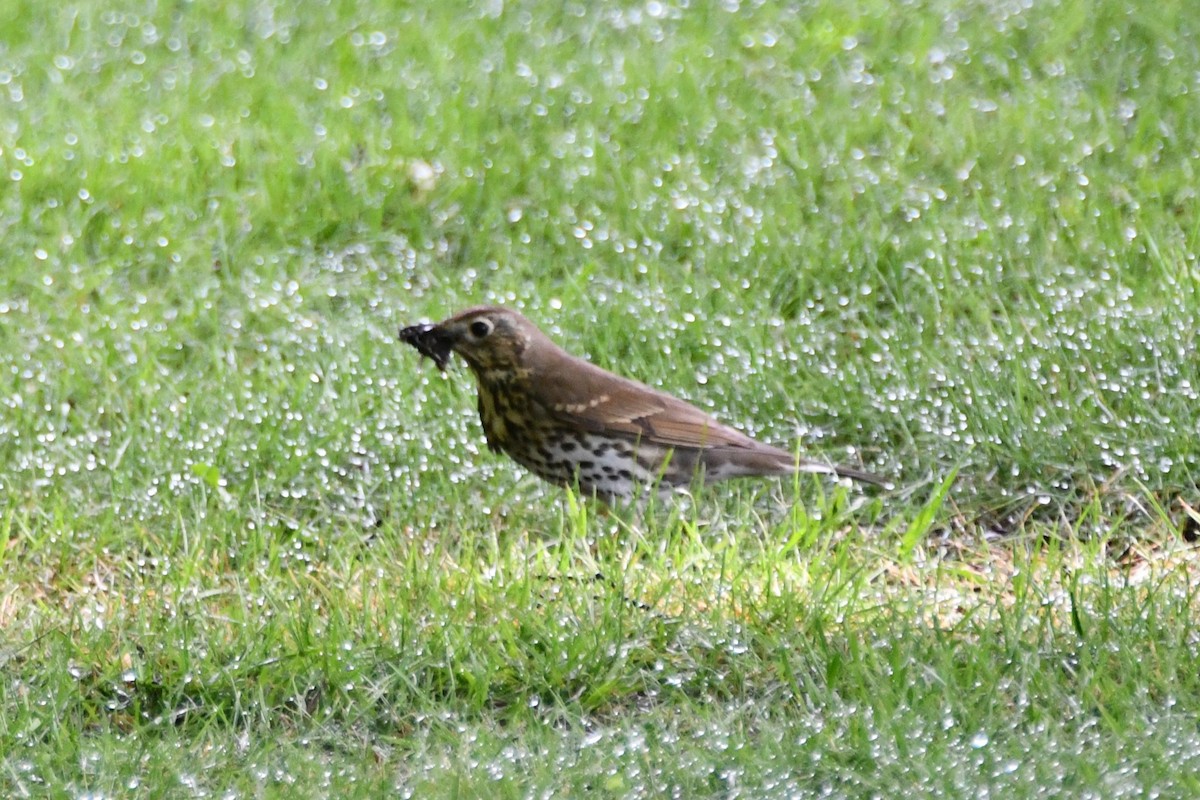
430	342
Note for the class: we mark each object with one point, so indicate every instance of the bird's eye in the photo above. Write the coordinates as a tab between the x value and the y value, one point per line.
480	328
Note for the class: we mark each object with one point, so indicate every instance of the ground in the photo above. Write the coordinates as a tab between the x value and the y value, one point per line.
252	546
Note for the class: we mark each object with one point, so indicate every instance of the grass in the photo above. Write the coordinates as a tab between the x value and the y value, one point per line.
250	546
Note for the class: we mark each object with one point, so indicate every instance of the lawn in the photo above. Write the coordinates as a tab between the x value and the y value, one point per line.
252	546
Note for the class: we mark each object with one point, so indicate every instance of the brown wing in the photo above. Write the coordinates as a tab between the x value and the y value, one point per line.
599	401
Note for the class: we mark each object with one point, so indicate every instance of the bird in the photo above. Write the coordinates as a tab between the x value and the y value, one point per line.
572	423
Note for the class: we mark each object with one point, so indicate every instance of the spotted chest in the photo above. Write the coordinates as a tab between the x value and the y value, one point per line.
610	467
508	416
605	466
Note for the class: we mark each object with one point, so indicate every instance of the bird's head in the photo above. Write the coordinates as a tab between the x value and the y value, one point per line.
489	339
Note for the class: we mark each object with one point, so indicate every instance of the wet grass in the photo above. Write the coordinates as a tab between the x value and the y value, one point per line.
249	546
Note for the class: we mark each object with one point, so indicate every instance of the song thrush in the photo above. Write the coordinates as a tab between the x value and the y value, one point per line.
571	422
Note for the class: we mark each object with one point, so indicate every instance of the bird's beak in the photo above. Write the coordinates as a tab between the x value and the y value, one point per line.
431	341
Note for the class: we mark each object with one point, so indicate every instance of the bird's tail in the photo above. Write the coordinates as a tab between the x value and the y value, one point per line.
763	459
844	472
